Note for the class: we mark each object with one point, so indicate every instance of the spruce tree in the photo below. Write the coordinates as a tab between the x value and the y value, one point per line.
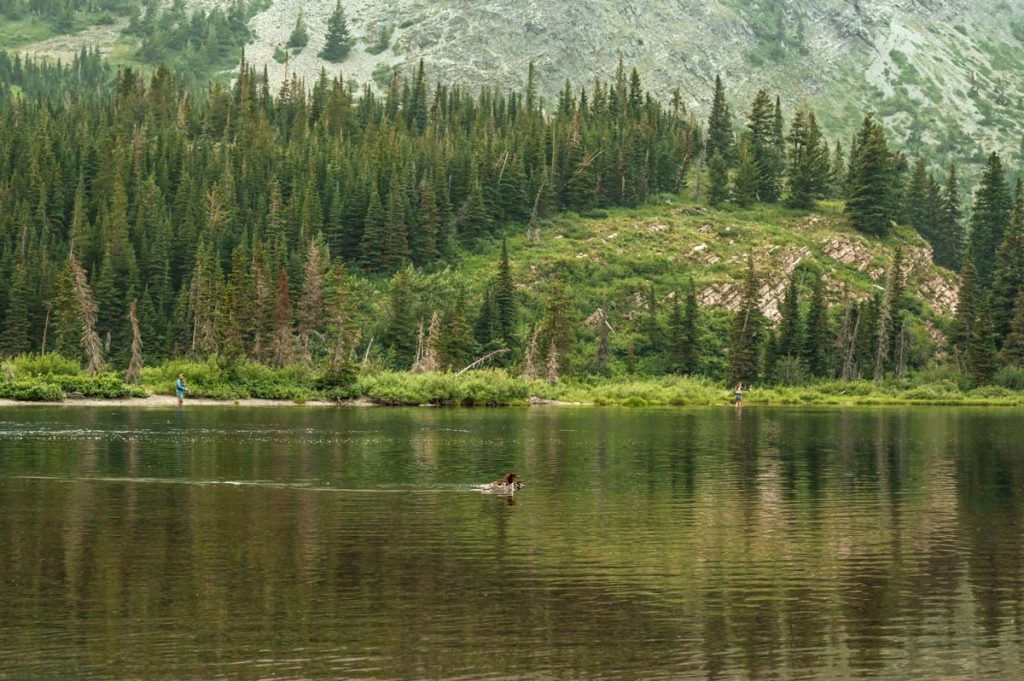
837	172
816	342
400	334
966	313
505	298
746	181
790	336
376	257
898	306
1008	277
683	334
871	175
764	147
690	355
745	338
981	351
455	346
989	219
950	238
651	325
720	134
676	331
473	222
718	180
423	237
1013	346
395	249
487	327
299	37
917	200
338	41
14	334
558	326
809	167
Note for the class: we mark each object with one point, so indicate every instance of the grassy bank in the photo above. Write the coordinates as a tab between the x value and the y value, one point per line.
51	378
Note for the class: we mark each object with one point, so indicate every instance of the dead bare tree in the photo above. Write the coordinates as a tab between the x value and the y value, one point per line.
599	320
134	372
483	360
88	309
552	367
532	356
426	347
533	234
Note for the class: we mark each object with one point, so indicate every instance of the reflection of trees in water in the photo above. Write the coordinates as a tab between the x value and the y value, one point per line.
990	485
772	544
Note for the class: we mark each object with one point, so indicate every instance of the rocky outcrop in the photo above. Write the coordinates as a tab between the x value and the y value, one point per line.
775	275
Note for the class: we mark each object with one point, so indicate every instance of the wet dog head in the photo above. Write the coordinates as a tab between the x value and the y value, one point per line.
512	480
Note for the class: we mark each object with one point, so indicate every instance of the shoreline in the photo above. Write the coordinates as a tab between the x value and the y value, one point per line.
164	401
169	401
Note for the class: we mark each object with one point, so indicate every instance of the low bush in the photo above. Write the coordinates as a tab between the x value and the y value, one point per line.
478	388
990	392
1010	377
109	386
30	390
50	364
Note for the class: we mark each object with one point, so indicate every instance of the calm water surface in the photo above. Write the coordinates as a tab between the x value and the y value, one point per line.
671	544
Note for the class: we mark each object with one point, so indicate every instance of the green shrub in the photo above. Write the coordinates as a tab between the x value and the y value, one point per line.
338	378
109	386
31	390
392	389
931	394
1010	377
990	392
50	364
477	388
945	373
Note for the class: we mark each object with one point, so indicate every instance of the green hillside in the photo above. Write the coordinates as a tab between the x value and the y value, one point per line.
296	243
611	259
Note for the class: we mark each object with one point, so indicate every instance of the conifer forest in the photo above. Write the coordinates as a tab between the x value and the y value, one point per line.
329	225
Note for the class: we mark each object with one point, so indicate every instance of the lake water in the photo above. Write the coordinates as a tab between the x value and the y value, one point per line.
317	543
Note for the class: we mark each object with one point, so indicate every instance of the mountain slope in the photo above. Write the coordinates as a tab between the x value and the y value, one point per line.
942	74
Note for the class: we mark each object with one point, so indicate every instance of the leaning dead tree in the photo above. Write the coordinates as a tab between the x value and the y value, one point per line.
483	360
133	374
87	309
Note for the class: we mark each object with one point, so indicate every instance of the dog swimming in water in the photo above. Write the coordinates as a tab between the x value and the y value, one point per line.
504	485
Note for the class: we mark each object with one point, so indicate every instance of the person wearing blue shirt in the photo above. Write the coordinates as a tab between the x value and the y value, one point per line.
180	388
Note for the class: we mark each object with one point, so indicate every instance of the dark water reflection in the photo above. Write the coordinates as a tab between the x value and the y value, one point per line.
243	543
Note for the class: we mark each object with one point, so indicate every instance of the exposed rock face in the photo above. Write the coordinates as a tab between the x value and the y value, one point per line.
775	275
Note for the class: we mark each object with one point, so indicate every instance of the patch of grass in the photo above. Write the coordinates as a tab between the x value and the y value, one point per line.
24	31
